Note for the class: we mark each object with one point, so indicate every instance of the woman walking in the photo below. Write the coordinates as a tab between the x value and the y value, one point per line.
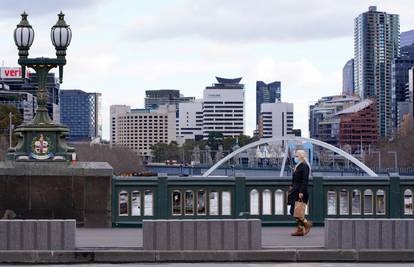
299	191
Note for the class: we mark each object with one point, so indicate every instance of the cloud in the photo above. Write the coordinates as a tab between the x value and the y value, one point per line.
255	20
11	8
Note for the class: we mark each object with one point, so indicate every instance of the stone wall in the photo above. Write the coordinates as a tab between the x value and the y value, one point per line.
57	190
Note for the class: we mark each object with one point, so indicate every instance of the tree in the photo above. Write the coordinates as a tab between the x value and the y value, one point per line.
214	140
122	159
159	151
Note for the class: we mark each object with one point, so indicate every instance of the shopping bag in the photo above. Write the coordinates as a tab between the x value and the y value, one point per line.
300	208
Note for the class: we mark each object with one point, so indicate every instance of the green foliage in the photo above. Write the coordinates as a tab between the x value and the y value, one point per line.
215	139
183	154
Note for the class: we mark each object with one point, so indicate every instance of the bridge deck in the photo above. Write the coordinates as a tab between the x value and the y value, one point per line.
272	237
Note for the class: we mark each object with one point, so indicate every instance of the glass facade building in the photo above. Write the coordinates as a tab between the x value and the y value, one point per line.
82	113
266	93
348	78
376	44
400	68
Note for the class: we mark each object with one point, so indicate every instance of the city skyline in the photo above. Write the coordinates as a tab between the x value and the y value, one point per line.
182	44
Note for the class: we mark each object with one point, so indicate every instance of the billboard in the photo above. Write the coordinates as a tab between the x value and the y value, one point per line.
12	73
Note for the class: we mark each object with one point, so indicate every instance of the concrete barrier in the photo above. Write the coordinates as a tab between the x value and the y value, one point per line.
226	234
369	233
37	234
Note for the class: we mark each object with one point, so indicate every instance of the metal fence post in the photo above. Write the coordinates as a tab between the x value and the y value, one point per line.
318	212
240	196
162	196
394	206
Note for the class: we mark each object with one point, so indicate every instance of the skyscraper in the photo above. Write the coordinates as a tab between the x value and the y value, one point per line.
348	78
399	81
82	113
223	108
376	44
266	93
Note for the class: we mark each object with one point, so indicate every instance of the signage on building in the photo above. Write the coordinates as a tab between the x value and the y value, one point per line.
12	73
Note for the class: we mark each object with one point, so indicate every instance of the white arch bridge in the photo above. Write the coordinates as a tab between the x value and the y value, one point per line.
292	139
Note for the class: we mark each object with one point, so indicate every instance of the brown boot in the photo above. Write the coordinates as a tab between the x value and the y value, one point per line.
307	225
299	232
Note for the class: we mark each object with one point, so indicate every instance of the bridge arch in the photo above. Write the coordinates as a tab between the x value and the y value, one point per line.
276	139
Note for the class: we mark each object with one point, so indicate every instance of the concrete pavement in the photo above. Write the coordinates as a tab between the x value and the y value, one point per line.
131	238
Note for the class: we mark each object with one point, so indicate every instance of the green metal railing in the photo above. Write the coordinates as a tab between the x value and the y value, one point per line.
139	198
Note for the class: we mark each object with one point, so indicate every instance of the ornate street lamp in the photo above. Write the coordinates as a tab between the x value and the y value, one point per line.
42	139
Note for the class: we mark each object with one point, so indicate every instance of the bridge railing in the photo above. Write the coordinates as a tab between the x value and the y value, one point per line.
162	197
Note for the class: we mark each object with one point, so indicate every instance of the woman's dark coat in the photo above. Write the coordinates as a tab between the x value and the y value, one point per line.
300	178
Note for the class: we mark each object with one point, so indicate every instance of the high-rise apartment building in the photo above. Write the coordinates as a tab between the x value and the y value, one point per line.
266	93
348	78
140	129
223	108
82	113
276	120
376	44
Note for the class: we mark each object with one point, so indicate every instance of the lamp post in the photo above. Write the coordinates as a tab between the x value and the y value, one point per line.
42	139
395	160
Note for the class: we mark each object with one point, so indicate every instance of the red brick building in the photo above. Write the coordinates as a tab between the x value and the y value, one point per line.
359	125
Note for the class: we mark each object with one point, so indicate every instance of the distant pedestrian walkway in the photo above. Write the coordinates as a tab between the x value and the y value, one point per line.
131	238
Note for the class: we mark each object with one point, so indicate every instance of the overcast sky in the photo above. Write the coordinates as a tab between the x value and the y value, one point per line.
122	48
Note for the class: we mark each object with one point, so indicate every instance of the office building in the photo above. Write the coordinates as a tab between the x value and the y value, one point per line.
276	120
82	113
348	78
190	121
399	82
24	102
140	129
223	108
376	45
156	98
266	93
358	125
322	125
12	76
407	38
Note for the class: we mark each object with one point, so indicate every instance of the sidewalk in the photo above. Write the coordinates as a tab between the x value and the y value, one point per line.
131	238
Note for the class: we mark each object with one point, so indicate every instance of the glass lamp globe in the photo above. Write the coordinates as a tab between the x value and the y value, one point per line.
24	35
61	35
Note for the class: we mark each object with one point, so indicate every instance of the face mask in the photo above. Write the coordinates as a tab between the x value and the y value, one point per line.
296	160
